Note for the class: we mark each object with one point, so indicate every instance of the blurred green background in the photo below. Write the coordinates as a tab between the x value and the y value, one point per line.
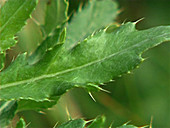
135	97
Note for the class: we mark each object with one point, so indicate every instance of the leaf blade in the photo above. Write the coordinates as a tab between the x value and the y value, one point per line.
38	106
13	17
77	123
95	15
56	15
47	44
97	59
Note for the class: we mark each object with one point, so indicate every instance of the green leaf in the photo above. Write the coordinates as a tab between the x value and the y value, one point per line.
21	123
97	14
56	14
98	122
38	106
58	37
130	126
13	16
78	123
7	112
97	59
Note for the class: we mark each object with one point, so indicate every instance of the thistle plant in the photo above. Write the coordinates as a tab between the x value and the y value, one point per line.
86	51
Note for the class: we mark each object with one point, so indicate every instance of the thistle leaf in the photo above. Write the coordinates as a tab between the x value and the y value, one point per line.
98	59
38	106
96	123
95	15
56	15
78	123
13	16
57	38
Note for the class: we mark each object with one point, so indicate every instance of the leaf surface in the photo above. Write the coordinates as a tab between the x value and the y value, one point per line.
56	14
53	33
13	16
77	123
38	106
57	38
97	14
7	112
97	123
97	59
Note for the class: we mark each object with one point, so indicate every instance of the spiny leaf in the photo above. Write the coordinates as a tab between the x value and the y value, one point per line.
7	112
38	106
77	123
21	123
97	59
97	123
13	16
56	38
56	14
95	15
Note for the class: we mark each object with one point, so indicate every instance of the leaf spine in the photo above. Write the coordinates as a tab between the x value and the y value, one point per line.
138	21
101	89
68	114
92	97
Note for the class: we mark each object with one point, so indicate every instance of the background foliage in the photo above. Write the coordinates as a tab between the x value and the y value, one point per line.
134	97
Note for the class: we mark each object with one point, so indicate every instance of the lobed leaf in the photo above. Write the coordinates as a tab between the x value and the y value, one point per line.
38	106
13	16
53	33
57	38
97	14
97	123
97	59
77	123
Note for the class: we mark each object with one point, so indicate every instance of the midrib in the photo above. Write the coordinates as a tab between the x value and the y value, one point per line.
73	69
